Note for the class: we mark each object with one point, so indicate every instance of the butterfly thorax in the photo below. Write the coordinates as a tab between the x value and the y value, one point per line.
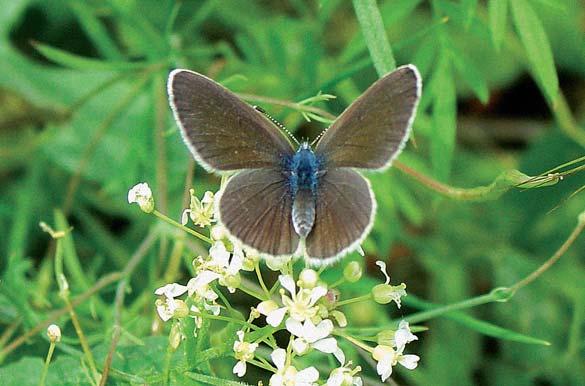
303	170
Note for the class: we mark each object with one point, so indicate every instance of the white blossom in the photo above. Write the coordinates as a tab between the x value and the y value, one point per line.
54	333
300	305
387	358
402	336
310	336
344	376
201	211
288	375
243	351
142	195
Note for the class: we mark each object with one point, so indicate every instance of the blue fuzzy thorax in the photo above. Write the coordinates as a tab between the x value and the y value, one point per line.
303	170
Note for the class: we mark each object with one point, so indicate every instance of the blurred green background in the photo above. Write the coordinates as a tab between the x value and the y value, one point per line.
84	116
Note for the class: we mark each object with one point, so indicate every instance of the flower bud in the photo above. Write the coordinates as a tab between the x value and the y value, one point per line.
54	333
386	293
232	281
308	278
175	336
352	272
267	307
339	318
142	195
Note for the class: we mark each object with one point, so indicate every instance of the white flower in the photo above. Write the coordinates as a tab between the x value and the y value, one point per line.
288	375
169	306
243	351
171	290
54	333
142	195
402	336
386	293
201	212
387	357
344	376
199	286
300	306
310	336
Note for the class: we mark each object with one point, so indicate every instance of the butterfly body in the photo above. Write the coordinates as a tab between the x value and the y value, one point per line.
302	171
284	201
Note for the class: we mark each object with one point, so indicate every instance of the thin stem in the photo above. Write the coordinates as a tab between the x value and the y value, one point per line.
261	280
119	300
182	227
83	341
555	257
46	366
354	341
226	319
251	292
467	303
358	299
286	103
167	368
102	283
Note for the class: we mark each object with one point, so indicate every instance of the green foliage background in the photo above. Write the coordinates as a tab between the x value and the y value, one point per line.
84	116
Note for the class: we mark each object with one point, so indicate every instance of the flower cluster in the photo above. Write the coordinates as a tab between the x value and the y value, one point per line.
299	303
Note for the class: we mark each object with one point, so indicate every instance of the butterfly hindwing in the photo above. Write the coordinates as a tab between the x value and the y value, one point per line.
374	128
222	132
343	216
256	208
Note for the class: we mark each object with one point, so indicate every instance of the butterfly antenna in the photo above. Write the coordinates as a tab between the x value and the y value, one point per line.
280	125
319	137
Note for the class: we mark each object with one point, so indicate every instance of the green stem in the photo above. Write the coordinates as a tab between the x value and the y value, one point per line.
354	300
355	341
46	366
182	227
261	280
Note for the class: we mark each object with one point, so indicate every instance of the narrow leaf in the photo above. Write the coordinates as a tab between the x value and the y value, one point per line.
537	46
498	15
214	380
69	60
471	75
481	326
469	7
370	21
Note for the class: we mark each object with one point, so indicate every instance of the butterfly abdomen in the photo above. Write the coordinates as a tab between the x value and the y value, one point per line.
303	171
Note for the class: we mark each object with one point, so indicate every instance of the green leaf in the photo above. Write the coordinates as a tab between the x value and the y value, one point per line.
498	15
469	7
471	75
370	21
214	380
69	60
481	326
444	119
537	46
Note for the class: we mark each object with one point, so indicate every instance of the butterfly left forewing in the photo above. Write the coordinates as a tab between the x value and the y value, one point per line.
344	214
223	132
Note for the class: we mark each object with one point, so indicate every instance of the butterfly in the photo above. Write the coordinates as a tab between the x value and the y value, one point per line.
284	199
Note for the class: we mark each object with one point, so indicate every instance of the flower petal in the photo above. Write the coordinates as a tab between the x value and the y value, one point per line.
323	330
300	346
339	355
328	345
275	317
317	293
382	266
240	368
287	282
384	369
278	357
308	375
295	327
409	361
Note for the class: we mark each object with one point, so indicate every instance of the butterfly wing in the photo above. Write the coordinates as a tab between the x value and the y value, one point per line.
222	132
255	206
371	132
343	216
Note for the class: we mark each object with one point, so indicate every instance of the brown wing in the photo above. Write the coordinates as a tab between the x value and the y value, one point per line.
343	216
222	132
255	207
371	132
